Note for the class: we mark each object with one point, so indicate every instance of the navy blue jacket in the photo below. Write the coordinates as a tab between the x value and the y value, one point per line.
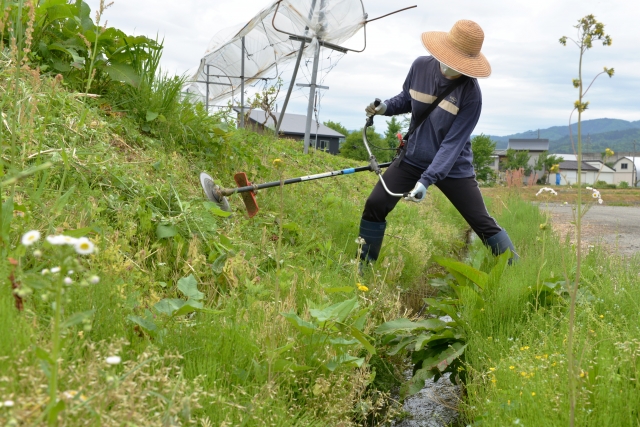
441	145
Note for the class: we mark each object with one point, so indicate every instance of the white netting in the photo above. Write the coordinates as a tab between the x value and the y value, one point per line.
332	21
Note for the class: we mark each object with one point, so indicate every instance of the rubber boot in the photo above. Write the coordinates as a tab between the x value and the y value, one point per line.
372	233
500	242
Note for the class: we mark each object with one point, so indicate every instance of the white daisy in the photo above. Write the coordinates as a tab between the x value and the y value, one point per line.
113	360
56	240
94	280
30	237
68	281
8	403
55	270
69	240
84	246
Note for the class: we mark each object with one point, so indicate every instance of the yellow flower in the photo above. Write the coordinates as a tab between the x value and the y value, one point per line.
524	374
508	402
362	287
492	369
512	367
602	316
494	380
582	374
277	162
533	393
526	347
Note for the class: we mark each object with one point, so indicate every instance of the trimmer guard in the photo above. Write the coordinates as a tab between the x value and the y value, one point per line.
249	198
211	191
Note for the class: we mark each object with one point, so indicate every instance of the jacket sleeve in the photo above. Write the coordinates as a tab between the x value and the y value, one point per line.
453	143
401	103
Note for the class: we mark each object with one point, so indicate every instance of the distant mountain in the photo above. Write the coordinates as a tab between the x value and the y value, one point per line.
589	127
617	140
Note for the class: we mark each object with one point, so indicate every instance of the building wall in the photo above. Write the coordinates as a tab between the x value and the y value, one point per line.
626	175
571	177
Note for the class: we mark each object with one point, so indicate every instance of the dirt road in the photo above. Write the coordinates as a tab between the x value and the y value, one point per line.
616	227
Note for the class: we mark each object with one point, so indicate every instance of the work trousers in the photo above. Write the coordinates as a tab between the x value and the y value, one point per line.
463	193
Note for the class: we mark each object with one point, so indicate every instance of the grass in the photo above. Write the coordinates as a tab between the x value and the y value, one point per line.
517	348
120	186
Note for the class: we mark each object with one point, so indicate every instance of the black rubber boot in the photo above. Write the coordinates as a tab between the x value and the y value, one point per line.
372	233
500	242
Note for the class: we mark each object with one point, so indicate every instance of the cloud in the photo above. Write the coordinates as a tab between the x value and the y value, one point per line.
530	86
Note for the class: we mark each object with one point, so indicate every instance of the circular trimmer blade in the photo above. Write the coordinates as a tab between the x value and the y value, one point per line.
211	191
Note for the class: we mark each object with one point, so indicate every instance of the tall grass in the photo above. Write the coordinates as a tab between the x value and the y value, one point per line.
517	349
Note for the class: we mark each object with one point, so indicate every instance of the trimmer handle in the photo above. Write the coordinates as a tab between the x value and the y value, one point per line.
369	122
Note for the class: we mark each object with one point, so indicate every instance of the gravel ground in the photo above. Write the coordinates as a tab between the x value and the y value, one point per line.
617	228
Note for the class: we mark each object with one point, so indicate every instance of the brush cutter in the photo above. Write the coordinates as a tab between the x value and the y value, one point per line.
247	190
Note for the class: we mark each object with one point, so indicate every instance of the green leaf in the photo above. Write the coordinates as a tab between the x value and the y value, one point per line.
60	11
305	328
191	307
363	340
215	209
404	342
77	318
361	318
345	360
81	232
444	358
421	340
147	325
339	311
448	309
166	231
178	307
342	341
415	384
404	324
151	116
189	287
124	73
478	277
218	264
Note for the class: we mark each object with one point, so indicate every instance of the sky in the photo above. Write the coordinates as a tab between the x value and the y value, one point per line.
530	86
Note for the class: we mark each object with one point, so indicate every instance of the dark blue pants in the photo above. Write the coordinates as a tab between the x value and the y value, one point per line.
463	193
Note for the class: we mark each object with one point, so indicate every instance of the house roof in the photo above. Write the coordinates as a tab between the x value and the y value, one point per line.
573	166
630	159
599	165
530	144
293	124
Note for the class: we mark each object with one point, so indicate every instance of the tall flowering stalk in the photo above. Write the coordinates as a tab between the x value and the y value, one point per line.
52	284
589	30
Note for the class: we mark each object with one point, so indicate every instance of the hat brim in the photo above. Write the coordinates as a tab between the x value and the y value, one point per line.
437	43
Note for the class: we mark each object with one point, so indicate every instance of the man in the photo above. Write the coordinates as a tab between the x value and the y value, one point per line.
439	151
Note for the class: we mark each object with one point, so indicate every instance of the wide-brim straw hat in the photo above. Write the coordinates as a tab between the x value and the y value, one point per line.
459	48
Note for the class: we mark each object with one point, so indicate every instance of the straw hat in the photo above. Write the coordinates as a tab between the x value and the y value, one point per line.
459	48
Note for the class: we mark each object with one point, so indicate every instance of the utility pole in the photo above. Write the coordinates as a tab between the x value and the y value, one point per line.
242	85
634	172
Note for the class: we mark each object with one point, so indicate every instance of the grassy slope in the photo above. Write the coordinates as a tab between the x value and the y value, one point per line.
518	346
123	184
